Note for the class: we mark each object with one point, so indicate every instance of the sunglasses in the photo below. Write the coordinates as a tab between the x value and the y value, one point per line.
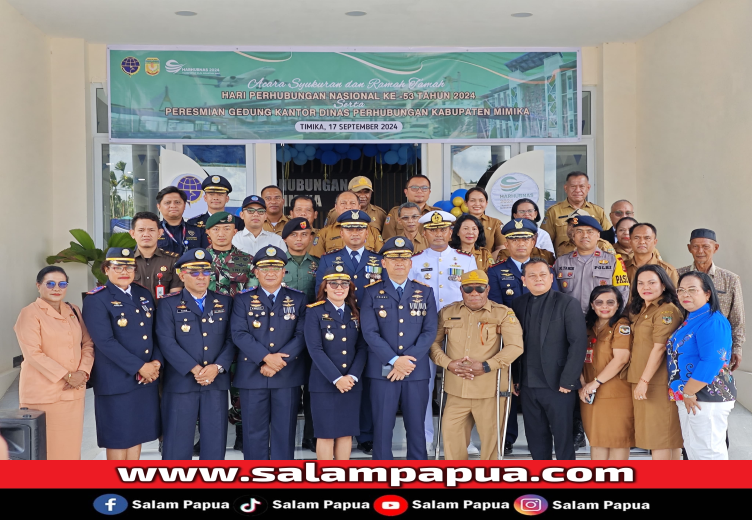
251	211
51	284
480	289
338	285
198	272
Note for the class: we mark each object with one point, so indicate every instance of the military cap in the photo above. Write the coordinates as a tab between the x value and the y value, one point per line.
354	218
270	257
121	256
360	183
437	219
478	276
703	233
216	184
254	199
220	217
519	228
295	224
576	213
586	221
194	259
336	273
397	247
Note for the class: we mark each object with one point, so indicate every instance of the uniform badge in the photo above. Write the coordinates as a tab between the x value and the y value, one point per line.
303	225
667	320
603	282
399	242
518	224
116	304
560	275
229	218
624	330
215	179
427	276
329	336
125	252
199	255
382	313
185	327
339	269
315	241
388	217
426	264
510	292
122	322
564	285
163	268
270	251
602	261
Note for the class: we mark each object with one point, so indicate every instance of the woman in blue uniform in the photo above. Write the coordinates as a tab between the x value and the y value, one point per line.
120	319
338	351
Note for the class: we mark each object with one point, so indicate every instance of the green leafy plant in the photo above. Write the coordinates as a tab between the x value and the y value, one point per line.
84	251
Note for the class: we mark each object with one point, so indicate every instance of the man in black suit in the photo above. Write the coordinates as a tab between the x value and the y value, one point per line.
555	339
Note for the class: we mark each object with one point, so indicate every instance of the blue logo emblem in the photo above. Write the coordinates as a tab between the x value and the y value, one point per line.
110	504
191	186
130	65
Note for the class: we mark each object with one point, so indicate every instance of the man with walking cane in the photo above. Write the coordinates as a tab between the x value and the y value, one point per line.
482	340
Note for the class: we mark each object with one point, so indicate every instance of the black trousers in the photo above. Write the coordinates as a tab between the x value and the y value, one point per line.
513	429
548	413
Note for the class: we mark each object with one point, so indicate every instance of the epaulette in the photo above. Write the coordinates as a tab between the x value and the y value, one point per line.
420	253
460	251
167	295
248	290
333	251
169	253
95	290
292	288
373	283
310	305
421	283
372	251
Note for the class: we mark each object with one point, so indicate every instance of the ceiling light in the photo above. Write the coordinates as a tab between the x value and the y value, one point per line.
355	13
186	13
522	15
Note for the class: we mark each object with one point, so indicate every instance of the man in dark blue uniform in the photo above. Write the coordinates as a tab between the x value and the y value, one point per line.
505	281
267	327
177	236
217	191
364	267
193	331
399	321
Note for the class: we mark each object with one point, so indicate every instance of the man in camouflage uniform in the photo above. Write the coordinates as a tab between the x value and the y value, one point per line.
231	273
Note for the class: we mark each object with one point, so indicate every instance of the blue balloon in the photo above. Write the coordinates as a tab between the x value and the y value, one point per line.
380	158
310	150
300	159
326	146
280	154
396	146
391	157
300	146
293	151
383	147
402	160
445	205
353	154
341	147
329	157
459	193
319	153
420	151
403	152
288	155
369	150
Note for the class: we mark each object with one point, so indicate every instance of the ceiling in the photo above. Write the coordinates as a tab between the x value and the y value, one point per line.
389	23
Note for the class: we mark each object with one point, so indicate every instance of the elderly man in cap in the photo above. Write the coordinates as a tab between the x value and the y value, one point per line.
363	188
231	267
482	338
329	237
399	324
217	191
441	268
268	330
703	246
254	237
193	330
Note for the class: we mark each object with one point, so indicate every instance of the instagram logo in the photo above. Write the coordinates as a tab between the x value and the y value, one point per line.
531	504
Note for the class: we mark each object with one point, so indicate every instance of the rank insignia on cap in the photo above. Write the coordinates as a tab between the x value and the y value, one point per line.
126	252
271	251
473	276
399	242
215	179
303	225
518	224
667	320
200	255
339	269
229	218
363	181
436	218
574	221
624	330
355	214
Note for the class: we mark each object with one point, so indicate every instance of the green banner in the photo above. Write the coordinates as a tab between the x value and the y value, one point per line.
220	95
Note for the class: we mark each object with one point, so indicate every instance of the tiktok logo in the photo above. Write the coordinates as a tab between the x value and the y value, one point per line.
248	505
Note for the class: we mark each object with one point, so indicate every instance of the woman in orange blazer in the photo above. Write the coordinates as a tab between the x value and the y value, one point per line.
58	356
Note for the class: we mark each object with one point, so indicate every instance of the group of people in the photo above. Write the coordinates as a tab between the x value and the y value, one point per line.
602	338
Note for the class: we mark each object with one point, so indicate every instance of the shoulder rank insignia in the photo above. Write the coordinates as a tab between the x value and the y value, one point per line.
170	294
95	290
419	253
373	283
293	289
247	290
315	304
624	330
464	253
333	251
667	320
421	283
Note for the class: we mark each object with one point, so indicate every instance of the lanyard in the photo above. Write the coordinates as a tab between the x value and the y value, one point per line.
185	242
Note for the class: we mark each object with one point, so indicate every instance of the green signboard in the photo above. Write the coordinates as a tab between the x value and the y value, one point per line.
288	96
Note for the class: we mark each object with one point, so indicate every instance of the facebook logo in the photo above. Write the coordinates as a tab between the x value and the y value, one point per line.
110	504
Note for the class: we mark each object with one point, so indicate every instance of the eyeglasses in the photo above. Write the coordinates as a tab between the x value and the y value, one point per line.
607	303
51	285
416	189
123	268
692	291
251	211
620	213
526	212
198	272
338	285
410	219
480	289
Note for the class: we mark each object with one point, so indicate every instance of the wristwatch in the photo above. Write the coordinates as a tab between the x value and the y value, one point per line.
486	368
219	368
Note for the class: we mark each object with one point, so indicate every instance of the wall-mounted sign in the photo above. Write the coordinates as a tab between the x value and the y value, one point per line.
236	94
511	187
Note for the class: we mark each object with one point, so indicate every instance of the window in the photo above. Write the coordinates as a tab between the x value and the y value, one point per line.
560	160
474	164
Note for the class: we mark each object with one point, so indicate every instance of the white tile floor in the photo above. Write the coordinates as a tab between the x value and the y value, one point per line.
740	435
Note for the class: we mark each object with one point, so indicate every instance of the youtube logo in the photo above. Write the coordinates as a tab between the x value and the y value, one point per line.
390	505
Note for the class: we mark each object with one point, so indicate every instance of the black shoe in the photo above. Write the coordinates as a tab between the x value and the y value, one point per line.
579	441
309	444
366	447
508	448
238	438
197	447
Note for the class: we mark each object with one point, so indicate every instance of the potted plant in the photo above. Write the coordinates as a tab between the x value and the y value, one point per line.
84	251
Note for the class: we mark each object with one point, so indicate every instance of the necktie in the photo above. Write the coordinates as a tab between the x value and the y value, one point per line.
399	292
271	298
341	313
354	256
200	303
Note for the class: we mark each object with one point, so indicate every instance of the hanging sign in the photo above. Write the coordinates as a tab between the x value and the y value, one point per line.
288	96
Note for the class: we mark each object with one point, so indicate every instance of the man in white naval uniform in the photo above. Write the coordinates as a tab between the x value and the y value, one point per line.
439	267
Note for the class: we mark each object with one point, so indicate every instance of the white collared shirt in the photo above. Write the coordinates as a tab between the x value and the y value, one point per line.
436	265
359	251
246	242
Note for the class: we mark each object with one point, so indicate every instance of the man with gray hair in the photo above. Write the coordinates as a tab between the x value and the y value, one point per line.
408	214
619	209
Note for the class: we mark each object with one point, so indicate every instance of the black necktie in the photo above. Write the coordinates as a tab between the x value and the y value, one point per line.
354	256
399	292
271	298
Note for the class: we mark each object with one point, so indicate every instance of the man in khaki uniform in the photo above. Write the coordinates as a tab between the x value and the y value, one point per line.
417	190
476	329
576	187
409	215
275	205
363	188
563	248
329	237
644	237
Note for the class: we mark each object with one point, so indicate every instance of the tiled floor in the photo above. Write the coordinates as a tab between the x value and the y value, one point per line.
740	436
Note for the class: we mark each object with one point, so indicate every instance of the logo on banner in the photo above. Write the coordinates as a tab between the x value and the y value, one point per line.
248	505
531	504
390	505
510	188
130	65
191	186
173	67
152	66
110	504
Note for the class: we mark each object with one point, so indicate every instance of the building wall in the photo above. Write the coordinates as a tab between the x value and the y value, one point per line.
693	137
25	146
